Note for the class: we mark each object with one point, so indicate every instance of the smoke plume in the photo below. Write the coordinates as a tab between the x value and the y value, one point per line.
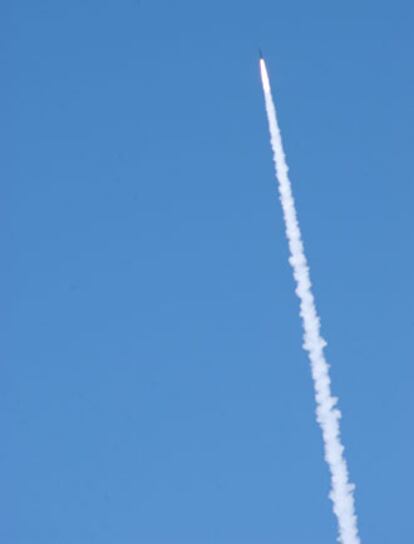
328	415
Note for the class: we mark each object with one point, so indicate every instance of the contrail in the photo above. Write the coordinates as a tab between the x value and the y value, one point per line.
328	415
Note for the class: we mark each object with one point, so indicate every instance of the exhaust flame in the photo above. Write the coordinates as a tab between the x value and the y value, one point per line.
264	76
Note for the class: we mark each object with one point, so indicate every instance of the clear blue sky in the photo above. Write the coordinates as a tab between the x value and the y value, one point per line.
153	389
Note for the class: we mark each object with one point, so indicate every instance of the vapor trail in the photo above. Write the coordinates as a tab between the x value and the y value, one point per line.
328	415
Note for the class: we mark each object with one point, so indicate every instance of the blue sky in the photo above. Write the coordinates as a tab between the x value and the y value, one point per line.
153	385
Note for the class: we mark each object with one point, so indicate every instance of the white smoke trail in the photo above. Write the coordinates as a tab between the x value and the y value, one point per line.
328	415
